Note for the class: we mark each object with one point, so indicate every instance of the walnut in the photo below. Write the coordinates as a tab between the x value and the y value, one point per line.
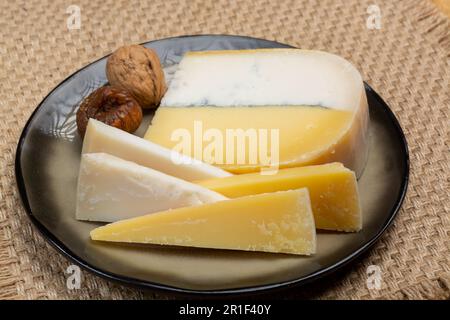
138	70
113	106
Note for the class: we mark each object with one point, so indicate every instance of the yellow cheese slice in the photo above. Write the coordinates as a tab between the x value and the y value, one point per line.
315	101
332	188
280	222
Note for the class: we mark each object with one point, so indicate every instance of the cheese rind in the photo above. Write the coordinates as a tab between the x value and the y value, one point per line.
333	191
315	99
263	77
111	189
280	222
100	137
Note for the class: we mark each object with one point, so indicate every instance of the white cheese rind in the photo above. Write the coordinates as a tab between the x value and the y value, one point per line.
112	189
100	137
265	78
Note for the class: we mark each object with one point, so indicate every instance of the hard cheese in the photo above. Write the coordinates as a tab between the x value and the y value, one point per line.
111	189
272	222
100	137
332	188
315	99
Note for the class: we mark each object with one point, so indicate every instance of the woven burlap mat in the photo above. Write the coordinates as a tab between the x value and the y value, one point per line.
406	61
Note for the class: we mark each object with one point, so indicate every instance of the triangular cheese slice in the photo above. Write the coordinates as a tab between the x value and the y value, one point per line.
111	189
279	222
332	188
101	137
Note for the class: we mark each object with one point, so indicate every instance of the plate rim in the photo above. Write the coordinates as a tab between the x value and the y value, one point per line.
143	284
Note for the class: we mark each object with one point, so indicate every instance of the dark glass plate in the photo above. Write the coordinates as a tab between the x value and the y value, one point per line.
47	162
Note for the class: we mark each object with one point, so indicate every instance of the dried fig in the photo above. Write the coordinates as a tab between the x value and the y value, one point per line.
138	70
113	106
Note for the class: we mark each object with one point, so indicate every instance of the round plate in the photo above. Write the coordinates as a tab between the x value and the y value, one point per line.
47	162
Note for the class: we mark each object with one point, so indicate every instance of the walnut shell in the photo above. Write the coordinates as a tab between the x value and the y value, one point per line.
138	70
113	106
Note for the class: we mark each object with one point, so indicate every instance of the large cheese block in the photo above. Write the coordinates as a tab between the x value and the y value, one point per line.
309	107
332	188
271	222
100	137
111	189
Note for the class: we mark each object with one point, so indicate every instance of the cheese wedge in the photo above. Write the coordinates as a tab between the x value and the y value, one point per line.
316	101
271	222
100	137
332	188
111	189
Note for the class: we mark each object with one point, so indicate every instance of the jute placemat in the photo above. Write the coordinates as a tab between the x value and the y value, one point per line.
406	61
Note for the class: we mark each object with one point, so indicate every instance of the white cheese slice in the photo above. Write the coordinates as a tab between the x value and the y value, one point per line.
100	137
112	189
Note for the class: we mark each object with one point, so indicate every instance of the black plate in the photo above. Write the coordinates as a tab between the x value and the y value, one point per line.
47	162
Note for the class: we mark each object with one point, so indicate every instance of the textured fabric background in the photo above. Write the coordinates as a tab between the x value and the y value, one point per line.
406	61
